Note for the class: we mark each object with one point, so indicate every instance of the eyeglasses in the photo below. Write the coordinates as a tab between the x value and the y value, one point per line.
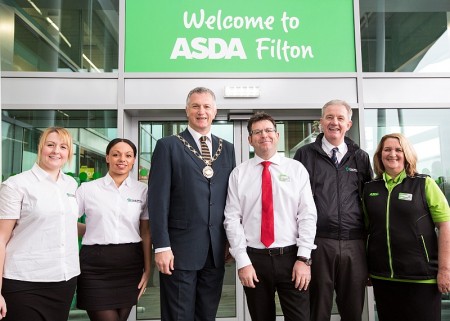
260	131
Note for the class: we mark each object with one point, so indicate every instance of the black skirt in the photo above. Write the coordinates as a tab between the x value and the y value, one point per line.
110	275
38	301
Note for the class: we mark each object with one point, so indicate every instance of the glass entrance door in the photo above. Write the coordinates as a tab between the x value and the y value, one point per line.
295	131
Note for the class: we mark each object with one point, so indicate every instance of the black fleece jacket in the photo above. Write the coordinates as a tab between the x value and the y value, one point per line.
337	191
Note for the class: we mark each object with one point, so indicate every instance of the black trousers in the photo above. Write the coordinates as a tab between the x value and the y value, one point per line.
397	301
340	266
275	275
192	295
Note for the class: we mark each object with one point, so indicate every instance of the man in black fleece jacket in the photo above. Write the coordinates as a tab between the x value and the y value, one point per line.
338	169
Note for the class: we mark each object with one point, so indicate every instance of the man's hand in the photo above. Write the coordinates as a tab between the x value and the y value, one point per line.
301	275
248	277
164	261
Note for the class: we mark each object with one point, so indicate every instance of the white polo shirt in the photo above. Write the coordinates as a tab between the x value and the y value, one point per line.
112	213
44	243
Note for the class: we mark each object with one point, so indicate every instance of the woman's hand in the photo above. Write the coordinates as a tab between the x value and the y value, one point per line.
143	283
2	307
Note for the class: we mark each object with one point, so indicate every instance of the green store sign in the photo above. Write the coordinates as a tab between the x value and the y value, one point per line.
239	36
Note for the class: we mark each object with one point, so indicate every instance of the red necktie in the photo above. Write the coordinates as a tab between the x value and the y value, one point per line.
267	224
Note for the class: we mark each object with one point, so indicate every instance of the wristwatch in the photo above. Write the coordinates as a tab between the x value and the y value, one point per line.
305	260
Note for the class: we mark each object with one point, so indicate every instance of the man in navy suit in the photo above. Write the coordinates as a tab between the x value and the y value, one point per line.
186	200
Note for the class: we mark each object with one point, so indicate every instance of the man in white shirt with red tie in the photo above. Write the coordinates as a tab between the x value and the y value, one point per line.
270	221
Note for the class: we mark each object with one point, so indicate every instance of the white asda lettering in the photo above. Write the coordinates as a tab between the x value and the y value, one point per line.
208	48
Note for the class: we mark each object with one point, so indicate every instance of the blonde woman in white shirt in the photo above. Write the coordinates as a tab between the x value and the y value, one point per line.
38	235
115	256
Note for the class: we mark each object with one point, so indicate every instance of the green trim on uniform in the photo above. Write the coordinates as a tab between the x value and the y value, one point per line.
430	281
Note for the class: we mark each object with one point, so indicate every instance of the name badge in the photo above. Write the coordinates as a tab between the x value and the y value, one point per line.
405	197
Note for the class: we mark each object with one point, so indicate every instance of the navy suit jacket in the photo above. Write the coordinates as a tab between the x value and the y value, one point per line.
186	209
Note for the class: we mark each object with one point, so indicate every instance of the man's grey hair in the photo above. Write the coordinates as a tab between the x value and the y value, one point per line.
200	90
338	102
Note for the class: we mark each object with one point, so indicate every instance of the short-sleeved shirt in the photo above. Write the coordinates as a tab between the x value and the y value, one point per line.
437	203
44	243
113	213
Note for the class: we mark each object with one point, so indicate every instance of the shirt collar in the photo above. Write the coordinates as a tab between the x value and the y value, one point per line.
327	146
109	180
395	180
41	174
275	159
196	135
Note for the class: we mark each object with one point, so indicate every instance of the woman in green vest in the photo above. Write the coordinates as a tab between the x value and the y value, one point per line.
409	261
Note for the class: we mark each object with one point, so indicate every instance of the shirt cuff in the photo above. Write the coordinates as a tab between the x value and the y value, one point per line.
242	260
304	252
162	249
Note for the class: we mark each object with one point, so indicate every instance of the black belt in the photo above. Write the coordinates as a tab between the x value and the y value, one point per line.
274	250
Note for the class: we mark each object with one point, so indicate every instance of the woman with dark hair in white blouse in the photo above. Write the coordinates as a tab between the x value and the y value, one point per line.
115	256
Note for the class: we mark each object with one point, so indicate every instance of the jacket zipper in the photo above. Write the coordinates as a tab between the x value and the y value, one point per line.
388	234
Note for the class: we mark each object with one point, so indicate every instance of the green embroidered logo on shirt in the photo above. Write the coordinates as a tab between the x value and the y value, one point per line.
349	169
133	201
70	195
374	194
284	178
405	196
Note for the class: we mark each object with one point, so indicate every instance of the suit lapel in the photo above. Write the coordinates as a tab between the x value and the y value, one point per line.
215	145
188	137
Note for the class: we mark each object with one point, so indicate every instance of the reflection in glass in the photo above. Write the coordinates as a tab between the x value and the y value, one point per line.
66	35
427	129
405	35
91	132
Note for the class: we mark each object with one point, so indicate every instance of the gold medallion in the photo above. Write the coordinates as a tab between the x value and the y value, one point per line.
208	172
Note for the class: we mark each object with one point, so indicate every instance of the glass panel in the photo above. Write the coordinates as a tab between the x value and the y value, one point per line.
405	35
149	132
296	133
91	132
428	131
62	35
293	135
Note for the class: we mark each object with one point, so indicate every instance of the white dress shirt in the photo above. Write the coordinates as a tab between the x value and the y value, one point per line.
44	243
113	213
295	214
197	135
328	148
